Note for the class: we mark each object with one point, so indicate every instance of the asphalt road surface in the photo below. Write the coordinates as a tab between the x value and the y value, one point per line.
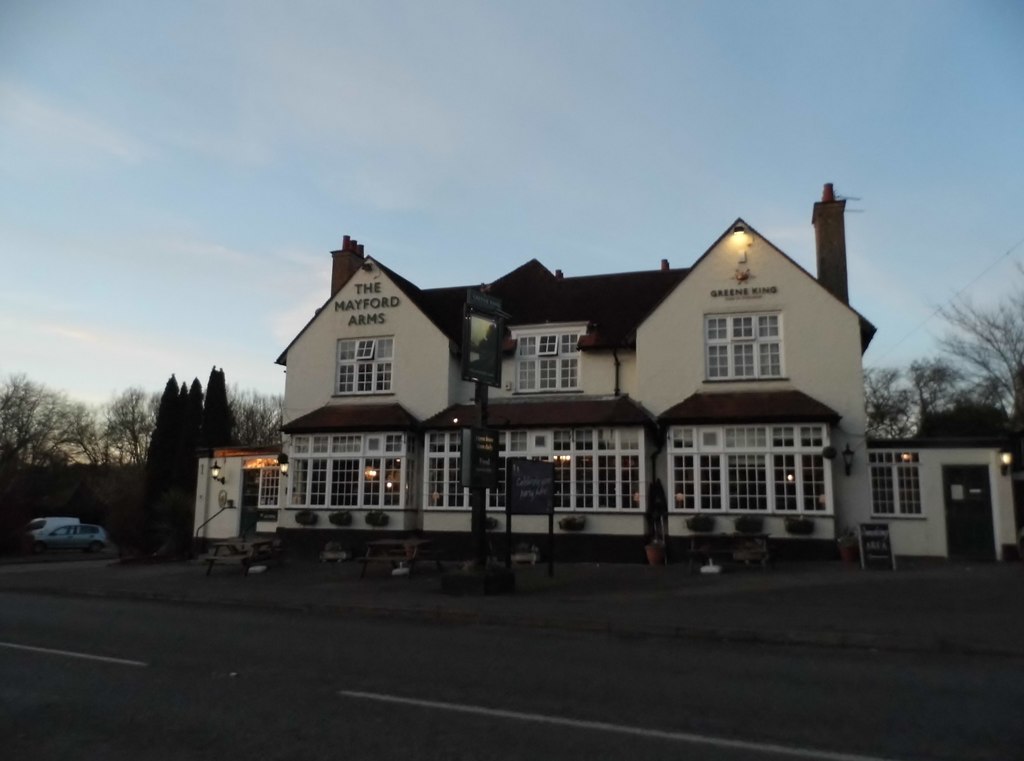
100	679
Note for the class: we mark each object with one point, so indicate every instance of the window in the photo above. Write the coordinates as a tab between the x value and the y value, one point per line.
270	479
348	471
895	483
743	346
767	469
547	361
595	468
365	365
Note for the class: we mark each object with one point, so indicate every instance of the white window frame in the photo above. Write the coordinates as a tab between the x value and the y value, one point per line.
381	463
547	358
596	469
364	366
734	342
895	484
709	469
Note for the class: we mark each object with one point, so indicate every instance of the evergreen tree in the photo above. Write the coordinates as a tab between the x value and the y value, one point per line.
217	428
190	404
160	465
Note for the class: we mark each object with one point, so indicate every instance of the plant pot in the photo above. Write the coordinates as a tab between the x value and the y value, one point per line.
655	553
306	518
700	524
748	524
340	518
849	553
572	523
799	526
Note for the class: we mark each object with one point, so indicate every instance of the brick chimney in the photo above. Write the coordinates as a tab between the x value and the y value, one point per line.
830	243
345	263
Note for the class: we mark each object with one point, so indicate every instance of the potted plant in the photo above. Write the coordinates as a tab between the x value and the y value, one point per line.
491	523
748	524
700	523
306	518
849	545
377	518
572	522
799	525
340	518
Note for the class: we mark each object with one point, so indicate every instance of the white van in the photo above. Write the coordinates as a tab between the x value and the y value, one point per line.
43	525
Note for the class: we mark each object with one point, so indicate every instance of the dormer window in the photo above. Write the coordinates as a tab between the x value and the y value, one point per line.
547	360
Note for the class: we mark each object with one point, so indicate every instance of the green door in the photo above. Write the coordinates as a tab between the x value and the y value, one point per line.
250	501
970	534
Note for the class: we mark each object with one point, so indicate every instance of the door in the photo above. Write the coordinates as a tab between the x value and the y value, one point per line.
970	534
250	501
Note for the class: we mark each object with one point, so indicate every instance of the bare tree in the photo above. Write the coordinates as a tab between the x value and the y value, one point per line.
82	435
257	416
128	425
890	403
989	341
32	421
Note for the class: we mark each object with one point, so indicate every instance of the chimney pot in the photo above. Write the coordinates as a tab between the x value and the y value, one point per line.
558	274
827	193
664	265
359	249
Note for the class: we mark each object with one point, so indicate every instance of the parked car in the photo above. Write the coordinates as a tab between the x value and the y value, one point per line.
81	536
48	523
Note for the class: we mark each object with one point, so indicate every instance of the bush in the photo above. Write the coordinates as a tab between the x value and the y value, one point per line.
173	520
377	518
306	518
572	522
799	525
340	518
748	524
700	523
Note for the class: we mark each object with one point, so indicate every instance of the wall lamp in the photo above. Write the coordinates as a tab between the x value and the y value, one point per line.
741	239
1005	461
282	463
215	473
848	458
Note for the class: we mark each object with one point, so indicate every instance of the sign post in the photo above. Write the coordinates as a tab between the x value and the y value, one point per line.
531	490
876	546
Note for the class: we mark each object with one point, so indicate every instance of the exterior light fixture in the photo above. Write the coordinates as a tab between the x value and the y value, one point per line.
215	473
1005	461
848	458
282	463
741	239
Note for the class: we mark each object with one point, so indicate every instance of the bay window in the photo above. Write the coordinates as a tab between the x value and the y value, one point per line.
361	470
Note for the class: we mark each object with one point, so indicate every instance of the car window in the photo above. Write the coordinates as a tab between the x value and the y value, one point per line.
89	530
35	525
62	531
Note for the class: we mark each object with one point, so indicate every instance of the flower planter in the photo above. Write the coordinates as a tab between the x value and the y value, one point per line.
748	524
700	524
340	518
306	518
491	523
799	526
377	518
655	553
849	553
572	523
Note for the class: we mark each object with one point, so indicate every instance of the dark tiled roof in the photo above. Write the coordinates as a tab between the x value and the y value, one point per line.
750	407
352	417
533	413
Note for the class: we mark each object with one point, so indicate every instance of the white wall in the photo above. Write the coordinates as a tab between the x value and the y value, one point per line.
227	523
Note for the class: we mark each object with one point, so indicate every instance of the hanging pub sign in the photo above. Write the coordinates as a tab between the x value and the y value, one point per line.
482	330
479	458
530	487
876	546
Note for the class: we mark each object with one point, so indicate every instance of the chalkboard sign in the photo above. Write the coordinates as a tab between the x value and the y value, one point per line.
876	547
530	487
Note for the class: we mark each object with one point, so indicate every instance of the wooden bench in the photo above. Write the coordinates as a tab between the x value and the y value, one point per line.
245	553
740	548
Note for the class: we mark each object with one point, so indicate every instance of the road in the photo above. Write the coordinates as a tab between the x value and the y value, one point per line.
92	678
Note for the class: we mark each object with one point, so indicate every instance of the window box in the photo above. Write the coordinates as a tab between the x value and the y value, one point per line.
340	518
572	522
377	518
306	518
799	525
748	524
491	523
700	524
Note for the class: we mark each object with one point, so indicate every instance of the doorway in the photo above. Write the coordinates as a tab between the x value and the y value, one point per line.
970	534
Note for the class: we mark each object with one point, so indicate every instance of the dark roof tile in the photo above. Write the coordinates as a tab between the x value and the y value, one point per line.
750	407
350	417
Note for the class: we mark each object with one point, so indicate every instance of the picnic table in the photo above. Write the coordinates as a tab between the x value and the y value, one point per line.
401	552
242	551
736	546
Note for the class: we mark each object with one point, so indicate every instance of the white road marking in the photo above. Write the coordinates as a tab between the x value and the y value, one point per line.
73	654
603	726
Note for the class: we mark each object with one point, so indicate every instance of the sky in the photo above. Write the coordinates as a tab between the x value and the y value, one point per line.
173	176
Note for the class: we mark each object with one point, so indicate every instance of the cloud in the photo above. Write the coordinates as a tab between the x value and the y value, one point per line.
62	128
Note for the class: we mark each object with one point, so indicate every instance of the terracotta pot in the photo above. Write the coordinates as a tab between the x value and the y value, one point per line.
655	554
849	553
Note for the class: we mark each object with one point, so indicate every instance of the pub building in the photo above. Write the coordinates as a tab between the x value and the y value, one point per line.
736	382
